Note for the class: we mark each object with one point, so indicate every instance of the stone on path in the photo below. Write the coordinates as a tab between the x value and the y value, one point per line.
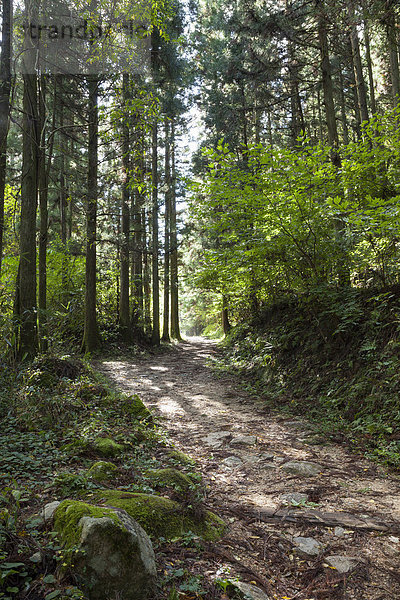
244	440
232	462
302	468
217	438
342	564
293	498
250	592
339	531
267	455
307	547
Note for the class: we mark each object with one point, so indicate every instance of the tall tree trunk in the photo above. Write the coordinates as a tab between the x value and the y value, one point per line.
369	64
91	337
138	230
391	33
146	274
175	330
226	326
28	338
63	192
358	70
167	168
297	121
353	87
156	286
333	138
343	109
327	86
5	90
43	212
124	318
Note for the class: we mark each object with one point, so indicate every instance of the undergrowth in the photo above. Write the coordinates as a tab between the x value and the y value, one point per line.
55	416
333	355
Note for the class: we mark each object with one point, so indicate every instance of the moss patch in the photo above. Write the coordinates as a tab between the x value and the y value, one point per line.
170	478
70	512
181	458
103	471
107	447
135	407
162	517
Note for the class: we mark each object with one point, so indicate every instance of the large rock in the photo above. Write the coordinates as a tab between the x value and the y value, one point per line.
162	517
108	552
302	468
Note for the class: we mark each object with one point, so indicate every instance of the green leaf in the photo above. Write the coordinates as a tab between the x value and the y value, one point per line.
52	595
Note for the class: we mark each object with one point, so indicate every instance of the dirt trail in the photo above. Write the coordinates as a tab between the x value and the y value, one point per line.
243	452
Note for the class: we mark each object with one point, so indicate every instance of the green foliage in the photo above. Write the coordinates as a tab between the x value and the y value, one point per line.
289	221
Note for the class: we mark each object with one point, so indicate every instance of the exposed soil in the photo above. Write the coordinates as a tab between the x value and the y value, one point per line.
193	403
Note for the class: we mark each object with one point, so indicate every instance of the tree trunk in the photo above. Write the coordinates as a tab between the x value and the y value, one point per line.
5	90
333	138
343	108
91	337
124	318
226	326
297	120
138	231
369	65
156	288
63	193
391	33
28	338
146	275
358	71
327	86
175	330
165	335
43	211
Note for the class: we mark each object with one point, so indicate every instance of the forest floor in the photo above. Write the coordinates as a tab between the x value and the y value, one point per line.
349	510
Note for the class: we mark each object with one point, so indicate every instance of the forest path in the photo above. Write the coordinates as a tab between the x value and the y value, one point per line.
243	453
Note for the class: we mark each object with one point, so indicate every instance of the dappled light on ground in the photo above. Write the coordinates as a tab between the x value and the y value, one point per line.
246	455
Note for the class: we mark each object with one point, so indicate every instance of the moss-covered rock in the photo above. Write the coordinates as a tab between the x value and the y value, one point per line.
170	478
106	550
181	458
107	447
104	447
79	447
135	407
162	517
103	471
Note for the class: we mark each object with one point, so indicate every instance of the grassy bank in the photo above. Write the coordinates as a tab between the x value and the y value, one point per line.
333	355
